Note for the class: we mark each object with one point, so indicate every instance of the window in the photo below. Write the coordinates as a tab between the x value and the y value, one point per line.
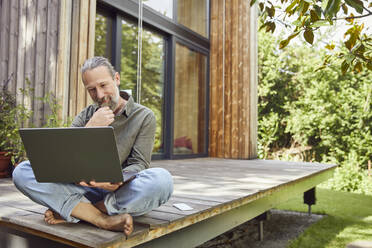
189	101
175	55
103	36
193	14
152	83
164	7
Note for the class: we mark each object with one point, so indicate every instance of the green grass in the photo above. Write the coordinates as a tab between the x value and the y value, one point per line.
349	218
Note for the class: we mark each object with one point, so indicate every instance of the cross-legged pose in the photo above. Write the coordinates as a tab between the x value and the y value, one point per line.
107	205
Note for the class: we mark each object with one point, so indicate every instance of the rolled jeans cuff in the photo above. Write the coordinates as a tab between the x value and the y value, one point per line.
69	205
111	204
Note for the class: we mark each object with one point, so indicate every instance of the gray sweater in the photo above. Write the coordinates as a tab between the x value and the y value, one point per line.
134	132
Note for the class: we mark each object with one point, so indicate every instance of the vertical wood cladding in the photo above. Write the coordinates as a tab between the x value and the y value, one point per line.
233	83
38	48
45	42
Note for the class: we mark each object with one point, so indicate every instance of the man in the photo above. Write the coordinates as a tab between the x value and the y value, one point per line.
107	205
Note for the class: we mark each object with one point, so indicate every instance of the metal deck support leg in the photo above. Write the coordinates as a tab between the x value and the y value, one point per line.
309	198
260	230
261	218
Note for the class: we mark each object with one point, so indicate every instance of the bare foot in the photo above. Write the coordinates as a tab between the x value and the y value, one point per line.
120	222
53	218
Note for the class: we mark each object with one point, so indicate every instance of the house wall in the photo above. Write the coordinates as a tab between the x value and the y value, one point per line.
233	80
46	42
43	43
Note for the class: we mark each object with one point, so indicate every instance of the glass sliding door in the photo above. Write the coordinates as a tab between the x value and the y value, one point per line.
175	55
189	101
152	85
103	36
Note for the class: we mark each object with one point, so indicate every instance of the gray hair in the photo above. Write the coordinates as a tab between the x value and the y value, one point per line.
95	62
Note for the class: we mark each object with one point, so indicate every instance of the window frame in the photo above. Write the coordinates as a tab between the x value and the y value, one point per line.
173	33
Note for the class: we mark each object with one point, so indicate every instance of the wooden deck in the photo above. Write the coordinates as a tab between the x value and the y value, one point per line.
222	192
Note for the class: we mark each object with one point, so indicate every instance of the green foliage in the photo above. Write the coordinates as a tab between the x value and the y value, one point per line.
53	119
12	117
277	87
324	115
349	177
305	17
332	115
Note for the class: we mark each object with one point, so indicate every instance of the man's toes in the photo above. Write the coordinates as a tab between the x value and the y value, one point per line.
128	230
48	213
128	225
52	218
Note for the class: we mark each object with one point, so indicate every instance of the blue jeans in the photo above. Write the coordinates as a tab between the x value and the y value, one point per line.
148	190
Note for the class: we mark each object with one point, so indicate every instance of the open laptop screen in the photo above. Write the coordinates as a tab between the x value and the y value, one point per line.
69	155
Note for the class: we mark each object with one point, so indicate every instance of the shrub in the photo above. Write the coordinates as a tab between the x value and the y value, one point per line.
323	111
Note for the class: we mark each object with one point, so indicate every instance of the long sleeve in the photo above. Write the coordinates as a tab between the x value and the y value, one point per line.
140	155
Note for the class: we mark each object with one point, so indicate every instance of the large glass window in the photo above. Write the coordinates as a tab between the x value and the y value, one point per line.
103	36
152	83
165	7
174	67
193	14
189	101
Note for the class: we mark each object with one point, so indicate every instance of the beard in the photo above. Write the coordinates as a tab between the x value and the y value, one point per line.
110	101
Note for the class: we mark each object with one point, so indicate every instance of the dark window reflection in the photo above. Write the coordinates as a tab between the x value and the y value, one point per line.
189	101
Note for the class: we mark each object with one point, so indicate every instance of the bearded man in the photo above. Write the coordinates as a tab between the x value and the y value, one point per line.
107	205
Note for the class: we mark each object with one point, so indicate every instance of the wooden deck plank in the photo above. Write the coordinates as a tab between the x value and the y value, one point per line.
211	187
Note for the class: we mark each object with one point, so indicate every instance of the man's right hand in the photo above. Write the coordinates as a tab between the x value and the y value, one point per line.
102	117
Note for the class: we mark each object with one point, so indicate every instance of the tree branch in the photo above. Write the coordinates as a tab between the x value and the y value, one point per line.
355	17
366	9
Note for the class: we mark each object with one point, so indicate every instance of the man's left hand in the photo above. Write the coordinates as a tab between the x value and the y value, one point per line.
105	186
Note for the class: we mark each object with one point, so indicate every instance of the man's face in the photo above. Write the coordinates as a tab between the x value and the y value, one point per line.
101	87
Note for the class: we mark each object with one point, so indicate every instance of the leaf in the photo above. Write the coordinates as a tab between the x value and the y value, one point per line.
313	16
324	4
252	2
309	36
358	67
261	5
291	6
344	67
330	46
270	11
344	8
293	35
349	58
303	7
320	68
298	22
348	44
318	10
283	43
262	26
320	23
356	4
369	65
270	26
332	8
350	19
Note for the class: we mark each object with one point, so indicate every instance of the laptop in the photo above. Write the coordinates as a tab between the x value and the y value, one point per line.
71	155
